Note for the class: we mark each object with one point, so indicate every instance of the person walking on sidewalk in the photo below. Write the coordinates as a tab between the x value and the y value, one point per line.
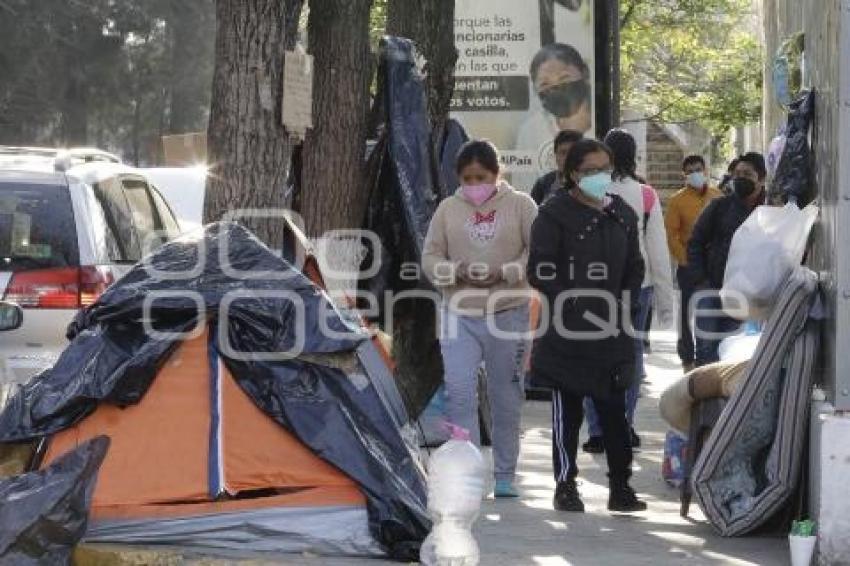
682	212
547	185
657	286
585	260
476	252
708	251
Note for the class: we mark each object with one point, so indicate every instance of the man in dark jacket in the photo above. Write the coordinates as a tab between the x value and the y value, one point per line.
585	260
547	185
708	251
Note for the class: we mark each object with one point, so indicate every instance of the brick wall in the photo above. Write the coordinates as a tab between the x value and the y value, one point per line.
663	162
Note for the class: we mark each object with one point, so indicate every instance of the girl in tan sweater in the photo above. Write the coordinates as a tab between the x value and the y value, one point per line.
476	252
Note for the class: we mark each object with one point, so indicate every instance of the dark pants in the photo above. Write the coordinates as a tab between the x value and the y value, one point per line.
641	317
567	417
711	329
685	345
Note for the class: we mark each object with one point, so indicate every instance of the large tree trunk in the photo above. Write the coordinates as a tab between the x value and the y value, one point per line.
191	23
430	24
334	196
248	146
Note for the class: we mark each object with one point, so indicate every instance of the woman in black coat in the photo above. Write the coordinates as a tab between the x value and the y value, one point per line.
585	261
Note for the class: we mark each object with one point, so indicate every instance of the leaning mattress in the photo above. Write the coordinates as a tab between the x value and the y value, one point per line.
750	466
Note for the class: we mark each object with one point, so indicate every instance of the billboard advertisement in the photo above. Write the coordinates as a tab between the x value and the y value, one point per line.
525	72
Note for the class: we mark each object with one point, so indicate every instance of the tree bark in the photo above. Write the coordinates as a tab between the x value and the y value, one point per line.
248	147
334	195
430	24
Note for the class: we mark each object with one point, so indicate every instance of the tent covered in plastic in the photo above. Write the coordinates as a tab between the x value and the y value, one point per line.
246	412
409	171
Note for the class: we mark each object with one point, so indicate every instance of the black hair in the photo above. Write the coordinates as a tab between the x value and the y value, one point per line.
578	152
693	160
567	54
478	151
756	160
624	150
732	165
567	136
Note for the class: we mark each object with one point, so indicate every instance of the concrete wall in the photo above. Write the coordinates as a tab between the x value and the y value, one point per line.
826	24
821	20
830	490
781	18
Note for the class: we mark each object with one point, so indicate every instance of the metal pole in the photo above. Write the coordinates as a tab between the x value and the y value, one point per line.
615	62
602	43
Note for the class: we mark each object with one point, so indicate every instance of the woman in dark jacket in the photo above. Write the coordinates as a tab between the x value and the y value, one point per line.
585	260
708	252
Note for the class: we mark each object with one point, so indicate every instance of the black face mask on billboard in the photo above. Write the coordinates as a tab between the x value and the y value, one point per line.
743	187
565	99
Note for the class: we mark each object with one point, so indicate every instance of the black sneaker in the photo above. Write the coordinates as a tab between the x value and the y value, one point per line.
635	439
623	499
594	445
567	497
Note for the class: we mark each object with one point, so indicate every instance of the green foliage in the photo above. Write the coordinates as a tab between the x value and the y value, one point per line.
113	73
686	61
377	22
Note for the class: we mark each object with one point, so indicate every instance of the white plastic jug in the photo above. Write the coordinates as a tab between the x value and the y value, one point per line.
456	484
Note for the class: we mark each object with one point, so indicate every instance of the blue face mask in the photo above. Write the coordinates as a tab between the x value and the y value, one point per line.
697	180
595	186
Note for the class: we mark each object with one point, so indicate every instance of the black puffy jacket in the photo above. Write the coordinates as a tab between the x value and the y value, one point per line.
708	248
576	248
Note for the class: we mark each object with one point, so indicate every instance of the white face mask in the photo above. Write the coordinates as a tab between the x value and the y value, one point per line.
697	180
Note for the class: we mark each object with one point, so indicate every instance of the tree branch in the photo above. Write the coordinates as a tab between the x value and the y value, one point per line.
624	21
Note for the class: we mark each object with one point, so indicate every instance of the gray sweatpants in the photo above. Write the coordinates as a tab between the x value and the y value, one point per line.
466	342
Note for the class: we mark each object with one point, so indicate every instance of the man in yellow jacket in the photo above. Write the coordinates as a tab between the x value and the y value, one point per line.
682	212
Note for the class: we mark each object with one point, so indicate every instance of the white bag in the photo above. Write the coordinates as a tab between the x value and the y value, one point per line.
765	250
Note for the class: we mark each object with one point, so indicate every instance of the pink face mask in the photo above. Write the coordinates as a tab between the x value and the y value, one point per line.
478	194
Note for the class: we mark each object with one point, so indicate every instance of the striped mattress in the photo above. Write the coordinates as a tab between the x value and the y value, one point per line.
750	465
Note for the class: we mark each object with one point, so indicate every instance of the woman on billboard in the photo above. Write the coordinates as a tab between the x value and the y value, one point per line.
560	79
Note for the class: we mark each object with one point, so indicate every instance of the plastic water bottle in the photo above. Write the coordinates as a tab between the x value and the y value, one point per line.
456	484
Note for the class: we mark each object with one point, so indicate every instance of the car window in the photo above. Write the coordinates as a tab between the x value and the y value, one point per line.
166	215
122	241
37	228
150	226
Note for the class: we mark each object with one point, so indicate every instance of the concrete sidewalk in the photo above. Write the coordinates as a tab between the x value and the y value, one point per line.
527	531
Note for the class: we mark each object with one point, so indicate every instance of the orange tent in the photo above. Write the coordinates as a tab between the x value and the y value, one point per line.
198	455
293	455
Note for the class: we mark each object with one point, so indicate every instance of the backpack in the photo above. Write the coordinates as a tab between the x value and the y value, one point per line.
648	202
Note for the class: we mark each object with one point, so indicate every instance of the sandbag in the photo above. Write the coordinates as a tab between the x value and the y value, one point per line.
765	250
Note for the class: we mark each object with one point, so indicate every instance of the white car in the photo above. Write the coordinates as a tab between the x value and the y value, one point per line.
184	188
69	227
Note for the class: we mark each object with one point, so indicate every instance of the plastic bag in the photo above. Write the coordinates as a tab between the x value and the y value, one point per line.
764	251
675	452
44	514
788	69
793	180
774	152
407	178
738	348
